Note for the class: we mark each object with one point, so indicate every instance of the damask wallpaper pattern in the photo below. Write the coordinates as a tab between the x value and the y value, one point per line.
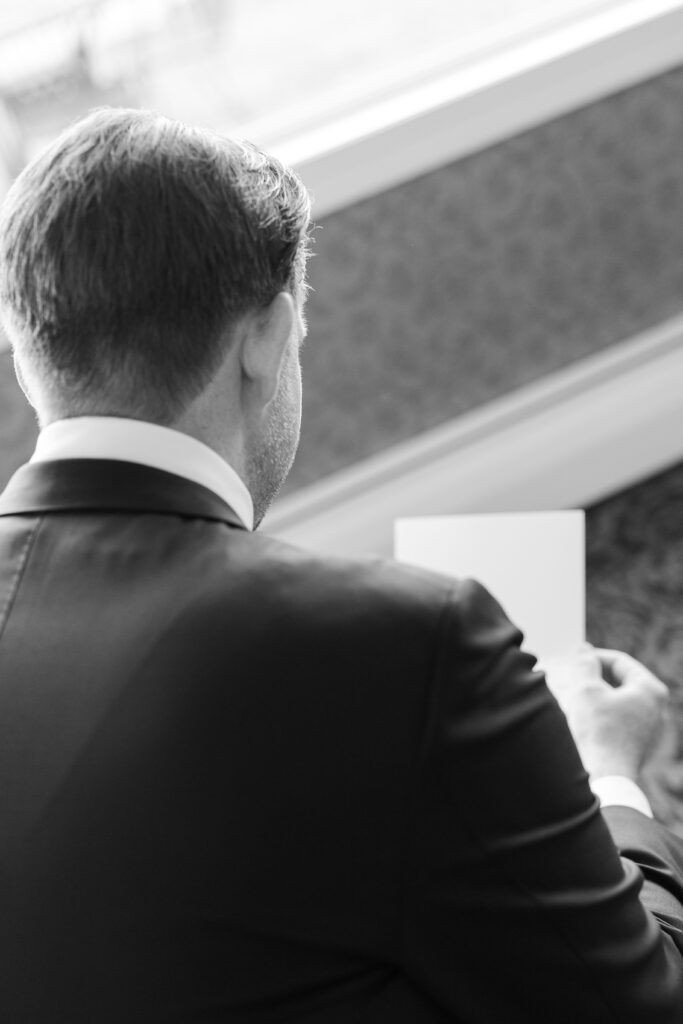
634	561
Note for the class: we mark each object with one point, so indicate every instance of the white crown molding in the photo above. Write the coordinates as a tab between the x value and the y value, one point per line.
566	441
452	114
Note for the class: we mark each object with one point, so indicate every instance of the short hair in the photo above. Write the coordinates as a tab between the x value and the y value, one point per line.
131	245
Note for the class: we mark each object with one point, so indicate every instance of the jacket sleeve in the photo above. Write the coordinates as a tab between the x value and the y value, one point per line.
658	853
518	906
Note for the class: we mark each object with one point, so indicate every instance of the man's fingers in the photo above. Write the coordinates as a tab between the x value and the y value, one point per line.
565	677
583	664
599	670
622	670
588	661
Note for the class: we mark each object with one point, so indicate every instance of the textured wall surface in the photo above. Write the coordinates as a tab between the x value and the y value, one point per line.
635	603
459	286
18	430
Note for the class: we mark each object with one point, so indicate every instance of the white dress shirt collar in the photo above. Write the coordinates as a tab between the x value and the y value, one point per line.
109	437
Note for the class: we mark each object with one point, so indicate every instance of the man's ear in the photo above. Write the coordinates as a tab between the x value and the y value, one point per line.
264	345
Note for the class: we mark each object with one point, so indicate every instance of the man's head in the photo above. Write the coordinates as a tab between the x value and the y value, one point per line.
136	254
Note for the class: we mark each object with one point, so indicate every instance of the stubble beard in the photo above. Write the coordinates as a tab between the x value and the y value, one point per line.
272	456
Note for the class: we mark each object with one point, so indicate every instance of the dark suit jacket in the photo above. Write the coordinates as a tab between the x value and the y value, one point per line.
240	783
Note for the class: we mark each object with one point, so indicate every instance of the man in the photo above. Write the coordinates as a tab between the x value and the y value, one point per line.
239	782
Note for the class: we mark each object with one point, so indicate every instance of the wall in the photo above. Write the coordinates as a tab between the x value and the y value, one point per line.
634	561
18	430
459	286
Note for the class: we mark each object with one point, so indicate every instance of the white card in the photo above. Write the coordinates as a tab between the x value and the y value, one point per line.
532	562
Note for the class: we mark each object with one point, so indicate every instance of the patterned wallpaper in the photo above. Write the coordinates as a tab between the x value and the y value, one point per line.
634	561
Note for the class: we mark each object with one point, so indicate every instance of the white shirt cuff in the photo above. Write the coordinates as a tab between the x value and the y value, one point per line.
620	791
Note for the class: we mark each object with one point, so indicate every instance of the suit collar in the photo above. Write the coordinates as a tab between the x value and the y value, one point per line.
113	437
72	485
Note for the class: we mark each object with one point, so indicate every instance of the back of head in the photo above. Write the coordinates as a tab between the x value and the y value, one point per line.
128	249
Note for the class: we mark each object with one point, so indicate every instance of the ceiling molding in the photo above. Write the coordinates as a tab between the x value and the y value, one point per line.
569	440
480	102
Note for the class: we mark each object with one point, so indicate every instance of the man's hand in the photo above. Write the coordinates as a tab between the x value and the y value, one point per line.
614	707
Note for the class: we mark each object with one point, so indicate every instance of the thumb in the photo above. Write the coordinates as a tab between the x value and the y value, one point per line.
588	661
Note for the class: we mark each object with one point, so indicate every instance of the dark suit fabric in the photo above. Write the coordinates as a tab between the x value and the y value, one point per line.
240	783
